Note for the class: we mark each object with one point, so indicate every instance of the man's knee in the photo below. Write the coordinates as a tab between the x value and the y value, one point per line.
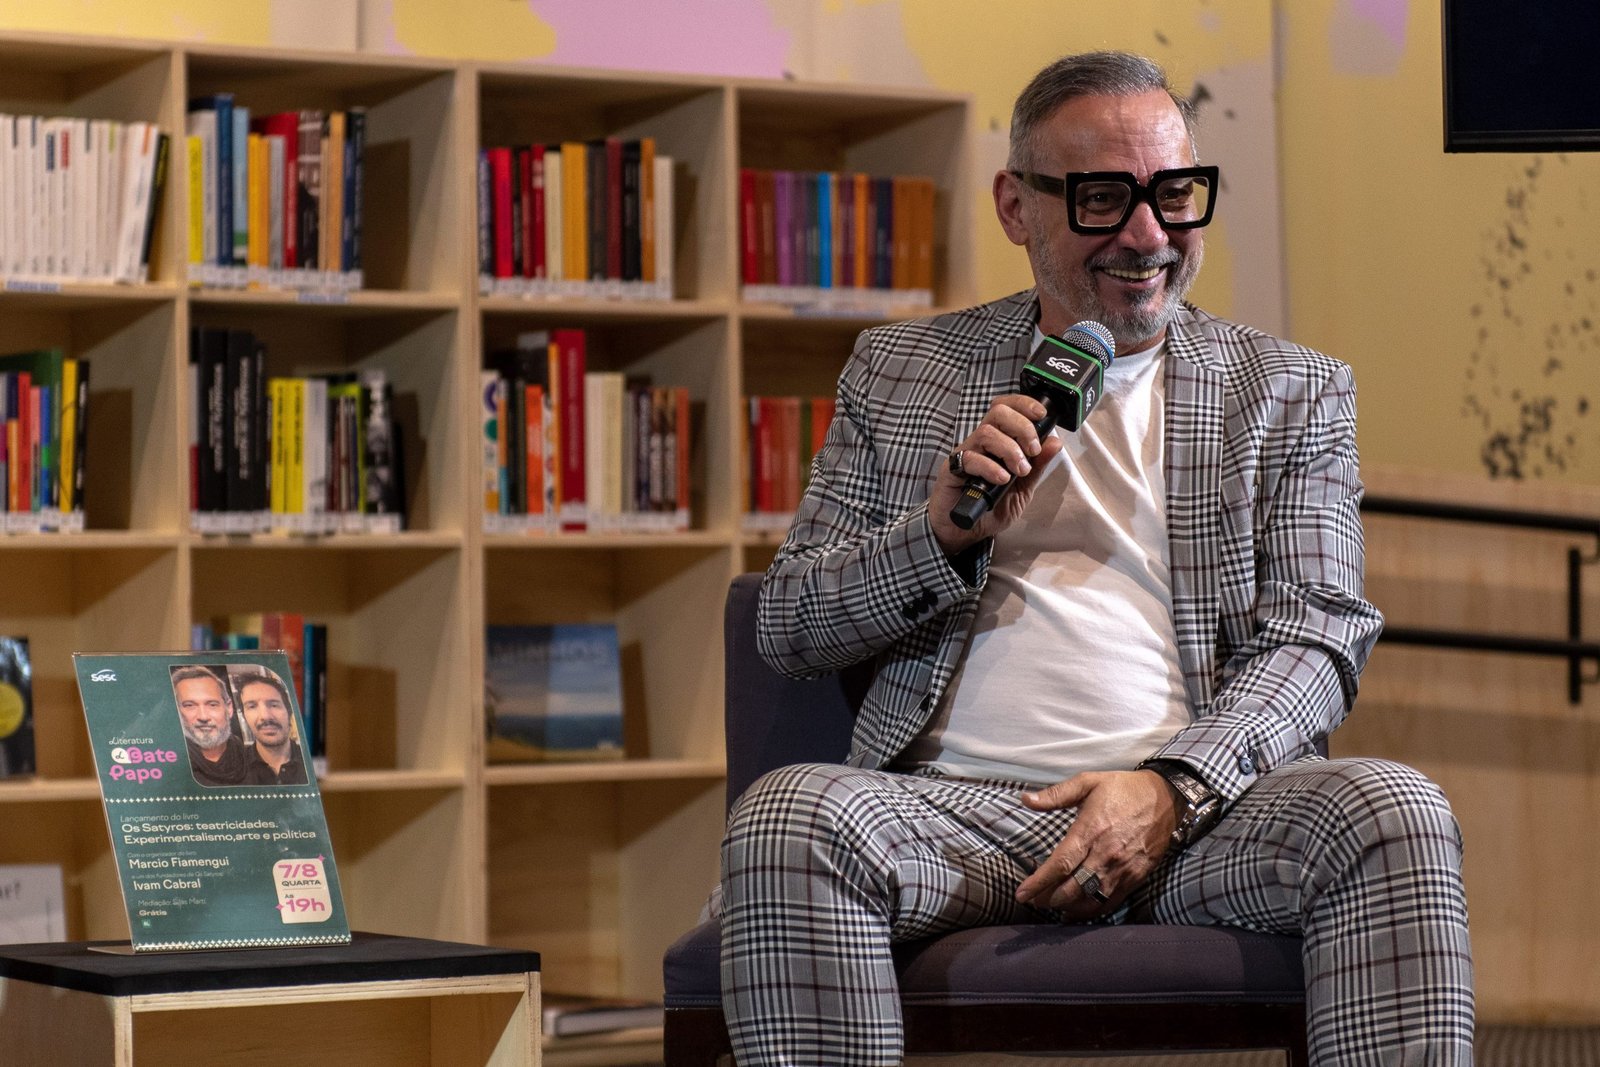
1391	803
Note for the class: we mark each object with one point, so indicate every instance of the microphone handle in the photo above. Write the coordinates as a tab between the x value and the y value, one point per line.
979	497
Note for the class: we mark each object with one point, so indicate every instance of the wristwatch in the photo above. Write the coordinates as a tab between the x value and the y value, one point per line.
1199	806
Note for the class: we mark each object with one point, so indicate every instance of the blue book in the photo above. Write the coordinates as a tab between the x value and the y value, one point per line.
825	230
553	692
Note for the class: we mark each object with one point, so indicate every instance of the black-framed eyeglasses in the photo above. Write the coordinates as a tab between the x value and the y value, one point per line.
1102	201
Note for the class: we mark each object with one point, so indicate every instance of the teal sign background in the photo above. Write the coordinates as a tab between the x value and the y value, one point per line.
204	866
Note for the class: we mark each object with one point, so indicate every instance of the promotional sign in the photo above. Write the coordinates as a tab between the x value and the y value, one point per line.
215	815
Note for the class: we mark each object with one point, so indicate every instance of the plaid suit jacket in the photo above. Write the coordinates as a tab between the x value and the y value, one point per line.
1263	490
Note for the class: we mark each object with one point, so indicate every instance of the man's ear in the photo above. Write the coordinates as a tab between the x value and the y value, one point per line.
1008	194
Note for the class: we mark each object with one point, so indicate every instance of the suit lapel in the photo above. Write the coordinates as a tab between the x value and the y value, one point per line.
1194	433
997	370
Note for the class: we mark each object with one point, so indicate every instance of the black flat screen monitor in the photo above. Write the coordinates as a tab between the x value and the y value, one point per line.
1521	77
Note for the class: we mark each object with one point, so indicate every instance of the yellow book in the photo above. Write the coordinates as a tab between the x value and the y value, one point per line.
276	419
294	476
256	193
575	209
331	253
197	205
69	432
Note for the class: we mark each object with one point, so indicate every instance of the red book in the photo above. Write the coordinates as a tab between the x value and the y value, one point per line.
766	453
524	194
535	218
500	190
613	207
821	417
767	208
749	229
22	454
292	639
571	359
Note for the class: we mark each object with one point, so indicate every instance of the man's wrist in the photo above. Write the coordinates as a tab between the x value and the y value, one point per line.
1198	805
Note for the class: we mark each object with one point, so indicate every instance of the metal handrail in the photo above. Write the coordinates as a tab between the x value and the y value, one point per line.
1574	649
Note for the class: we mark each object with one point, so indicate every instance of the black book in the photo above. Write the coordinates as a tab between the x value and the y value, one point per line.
377	442
240	450
212	345
595	189
632	237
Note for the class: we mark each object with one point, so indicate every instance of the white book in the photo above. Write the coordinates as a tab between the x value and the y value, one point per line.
275	231
552	216
203	124
314	460
81	214
56	197
34	200
139	164
106	232
594	448
8	196
664	224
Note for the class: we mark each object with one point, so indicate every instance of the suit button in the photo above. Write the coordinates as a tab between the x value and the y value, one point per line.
1247	765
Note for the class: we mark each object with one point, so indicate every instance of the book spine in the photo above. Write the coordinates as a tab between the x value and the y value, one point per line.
571	348
354	187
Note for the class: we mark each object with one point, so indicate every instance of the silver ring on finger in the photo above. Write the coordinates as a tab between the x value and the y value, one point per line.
1089	882
957	462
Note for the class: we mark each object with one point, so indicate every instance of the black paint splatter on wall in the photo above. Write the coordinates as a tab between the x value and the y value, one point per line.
1523	378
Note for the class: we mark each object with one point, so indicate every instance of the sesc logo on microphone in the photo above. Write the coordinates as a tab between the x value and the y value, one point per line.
1067	367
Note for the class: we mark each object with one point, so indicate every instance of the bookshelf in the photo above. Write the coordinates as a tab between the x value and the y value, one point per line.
598	867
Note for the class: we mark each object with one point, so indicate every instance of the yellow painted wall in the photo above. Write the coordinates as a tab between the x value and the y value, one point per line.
1463	288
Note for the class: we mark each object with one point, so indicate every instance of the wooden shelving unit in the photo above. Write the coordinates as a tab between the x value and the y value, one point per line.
599	866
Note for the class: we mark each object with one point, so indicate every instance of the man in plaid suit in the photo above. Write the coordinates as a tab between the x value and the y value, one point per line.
1102	702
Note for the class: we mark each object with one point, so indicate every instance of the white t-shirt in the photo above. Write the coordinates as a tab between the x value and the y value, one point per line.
1073	661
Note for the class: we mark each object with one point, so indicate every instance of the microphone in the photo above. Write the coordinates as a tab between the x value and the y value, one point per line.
1067	374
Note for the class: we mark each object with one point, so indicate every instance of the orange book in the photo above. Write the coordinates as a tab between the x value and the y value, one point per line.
647	209
900	235
922	246
863	278
533	436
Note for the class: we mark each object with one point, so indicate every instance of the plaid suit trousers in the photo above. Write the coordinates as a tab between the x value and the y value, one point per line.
825	866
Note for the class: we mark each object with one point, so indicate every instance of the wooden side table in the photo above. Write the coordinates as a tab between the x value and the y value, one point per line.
380	1001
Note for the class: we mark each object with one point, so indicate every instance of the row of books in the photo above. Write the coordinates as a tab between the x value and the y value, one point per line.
569	448
317	454
781	436
815	237
78	198
274	200
576	219
44	436
305	643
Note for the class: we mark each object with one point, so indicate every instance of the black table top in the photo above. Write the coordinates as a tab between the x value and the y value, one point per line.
368	958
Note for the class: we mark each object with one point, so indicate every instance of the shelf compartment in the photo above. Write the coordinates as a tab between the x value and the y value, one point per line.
412	185
88	600
793	126
667	605
602	876
72	833
133	471
670	351
399	693
407	860
687	118
416	348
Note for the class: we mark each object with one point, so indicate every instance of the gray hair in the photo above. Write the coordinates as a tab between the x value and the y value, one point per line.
1088	74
